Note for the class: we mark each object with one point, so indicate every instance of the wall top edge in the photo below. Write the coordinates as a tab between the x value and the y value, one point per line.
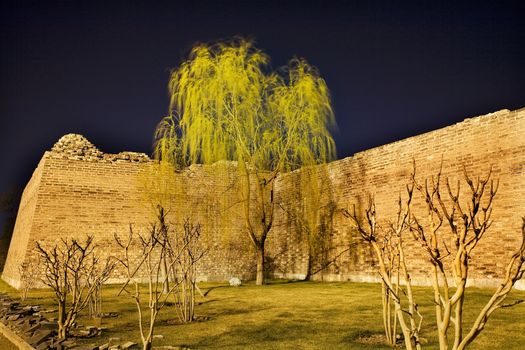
466	121
77	147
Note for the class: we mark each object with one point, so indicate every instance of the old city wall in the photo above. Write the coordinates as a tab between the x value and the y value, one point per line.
78	190
23	228
495	140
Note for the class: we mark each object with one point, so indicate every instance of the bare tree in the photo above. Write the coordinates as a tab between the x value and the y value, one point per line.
96	281
152	259
398	305
68	266
28	277
467	222
167	264
184	271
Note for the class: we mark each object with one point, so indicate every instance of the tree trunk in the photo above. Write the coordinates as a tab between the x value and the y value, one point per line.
310	263
62	328
148	345
260	265
164	274
309	268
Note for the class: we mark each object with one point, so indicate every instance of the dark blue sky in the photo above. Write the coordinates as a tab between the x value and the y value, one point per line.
394	70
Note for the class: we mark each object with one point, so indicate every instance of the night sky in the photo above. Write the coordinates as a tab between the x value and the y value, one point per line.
394	71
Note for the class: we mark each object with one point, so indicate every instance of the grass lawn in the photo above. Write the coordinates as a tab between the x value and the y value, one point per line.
293	315
6	344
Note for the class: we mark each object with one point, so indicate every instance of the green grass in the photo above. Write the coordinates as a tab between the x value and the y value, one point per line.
294	315
6	344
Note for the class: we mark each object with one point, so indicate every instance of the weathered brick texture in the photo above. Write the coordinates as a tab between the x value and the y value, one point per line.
496	140
77	190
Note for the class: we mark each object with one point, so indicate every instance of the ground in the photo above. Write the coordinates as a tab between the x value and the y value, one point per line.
293	315
6	344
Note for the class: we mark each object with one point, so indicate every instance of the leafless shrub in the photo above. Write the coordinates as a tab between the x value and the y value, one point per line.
28	278
69	265
398	304
467	221
168	264
96	281
186	247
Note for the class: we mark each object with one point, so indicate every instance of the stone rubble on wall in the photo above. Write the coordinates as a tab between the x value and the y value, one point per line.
77	147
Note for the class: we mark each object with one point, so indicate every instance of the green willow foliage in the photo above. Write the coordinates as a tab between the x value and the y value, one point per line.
225	105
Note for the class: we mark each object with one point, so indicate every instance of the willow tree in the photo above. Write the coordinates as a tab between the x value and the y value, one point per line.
227	105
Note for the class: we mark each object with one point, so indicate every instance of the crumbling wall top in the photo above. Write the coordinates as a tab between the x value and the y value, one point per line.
77	147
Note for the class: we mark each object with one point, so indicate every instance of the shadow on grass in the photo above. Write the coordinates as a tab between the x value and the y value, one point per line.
280	332
213	288
250	334
271	282
240	311
282	281
208	301
367	339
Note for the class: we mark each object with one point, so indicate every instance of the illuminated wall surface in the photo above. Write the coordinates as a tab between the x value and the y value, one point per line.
78	190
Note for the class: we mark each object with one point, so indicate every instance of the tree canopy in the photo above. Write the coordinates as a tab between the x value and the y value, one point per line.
227	105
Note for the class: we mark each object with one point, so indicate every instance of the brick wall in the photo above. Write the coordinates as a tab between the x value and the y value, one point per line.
78	190
23	228
496	140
